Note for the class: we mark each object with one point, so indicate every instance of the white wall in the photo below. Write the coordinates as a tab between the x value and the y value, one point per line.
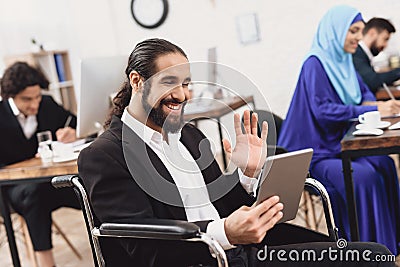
104	27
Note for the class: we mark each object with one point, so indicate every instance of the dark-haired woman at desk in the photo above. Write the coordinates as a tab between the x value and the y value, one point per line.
328	94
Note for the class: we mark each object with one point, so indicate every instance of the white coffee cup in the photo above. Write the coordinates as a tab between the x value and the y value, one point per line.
371	118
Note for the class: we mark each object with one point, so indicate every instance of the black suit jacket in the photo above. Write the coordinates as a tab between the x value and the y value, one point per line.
117	197
373	79
13	143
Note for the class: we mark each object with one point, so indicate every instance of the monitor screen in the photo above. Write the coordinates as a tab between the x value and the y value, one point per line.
101	77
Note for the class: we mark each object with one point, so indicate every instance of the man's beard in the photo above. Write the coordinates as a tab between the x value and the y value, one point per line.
169	123
375	50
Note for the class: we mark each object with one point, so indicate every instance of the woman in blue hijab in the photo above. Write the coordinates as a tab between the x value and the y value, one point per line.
328	94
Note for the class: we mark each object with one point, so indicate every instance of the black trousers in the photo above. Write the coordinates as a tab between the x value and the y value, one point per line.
35	202
288	245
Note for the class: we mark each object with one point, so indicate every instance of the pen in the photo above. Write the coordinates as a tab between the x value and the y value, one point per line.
67	122
388	91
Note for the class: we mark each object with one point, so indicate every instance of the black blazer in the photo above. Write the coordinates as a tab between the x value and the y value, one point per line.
13	143
117	197
373	79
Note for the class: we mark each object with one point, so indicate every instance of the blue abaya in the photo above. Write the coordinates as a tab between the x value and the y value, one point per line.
318	118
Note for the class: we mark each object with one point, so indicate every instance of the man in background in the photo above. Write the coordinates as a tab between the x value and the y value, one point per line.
376	35
24	111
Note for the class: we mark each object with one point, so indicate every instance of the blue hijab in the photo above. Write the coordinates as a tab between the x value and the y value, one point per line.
328	47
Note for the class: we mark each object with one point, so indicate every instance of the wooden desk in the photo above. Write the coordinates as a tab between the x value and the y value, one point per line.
387	143
33	168
28	171
381	94
215	109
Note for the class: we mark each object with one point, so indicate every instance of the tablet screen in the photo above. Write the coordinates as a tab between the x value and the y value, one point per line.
284	175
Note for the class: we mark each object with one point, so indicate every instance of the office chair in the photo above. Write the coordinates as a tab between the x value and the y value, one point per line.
311	197
21	233
160	229
22	230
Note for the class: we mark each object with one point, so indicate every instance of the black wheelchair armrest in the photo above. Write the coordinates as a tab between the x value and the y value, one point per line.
162	229
63	181
152	228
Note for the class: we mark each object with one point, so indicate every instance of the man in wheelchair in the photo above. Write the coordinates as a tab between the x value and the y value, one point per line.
150	164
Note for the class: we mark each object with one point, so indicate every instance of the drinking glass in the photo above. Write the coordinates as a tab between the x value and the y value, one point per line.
44	148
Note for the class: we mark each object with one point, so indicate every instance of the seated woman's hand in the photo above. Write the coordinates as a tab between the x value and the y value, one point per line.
389	108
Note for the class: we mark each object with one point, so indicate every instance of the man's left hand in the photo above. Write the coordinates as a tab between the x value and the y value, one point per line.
66	135
250	151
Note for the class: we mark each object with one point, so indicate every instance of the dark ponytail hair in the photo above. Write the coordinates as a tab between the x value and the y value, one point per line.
142	60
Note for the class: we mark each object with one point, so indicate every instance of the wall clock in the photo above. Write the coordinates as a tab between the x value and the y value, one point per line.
149	13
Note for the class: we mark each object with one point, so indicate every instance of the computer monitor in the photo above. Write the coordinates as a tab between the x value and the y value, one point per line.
101	77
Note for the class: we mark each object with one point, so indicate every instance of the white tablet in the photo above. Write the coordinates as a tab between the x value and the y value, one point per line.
284	175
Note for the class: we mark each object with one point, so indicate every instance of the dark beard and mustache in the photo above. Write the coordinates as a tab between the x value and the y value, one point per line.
169	123
375	50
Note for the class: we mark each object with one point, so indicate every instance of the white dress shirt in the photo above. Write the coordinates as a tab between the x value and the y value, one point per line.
28	123
366	50
187	177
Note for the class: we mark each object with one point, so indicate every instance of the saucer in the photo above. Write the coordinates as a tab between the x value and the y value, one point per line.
66	158
368	132
395	126
381	125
